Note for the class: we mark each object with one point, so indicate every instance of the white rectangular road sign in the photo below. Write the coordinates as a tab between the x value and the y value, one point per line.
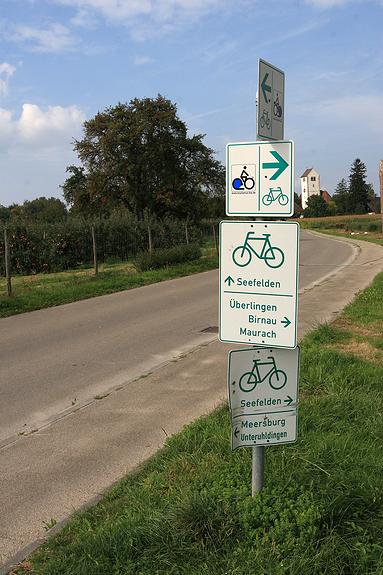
259	283
263	396
271	102
260	179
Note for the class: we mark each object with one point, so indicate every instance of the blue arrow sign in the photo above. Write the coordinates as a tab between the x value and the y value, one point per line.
280	165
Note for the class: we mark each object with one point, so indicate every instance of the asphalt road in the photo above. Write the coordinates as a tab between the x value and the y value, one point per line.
55	360
72	374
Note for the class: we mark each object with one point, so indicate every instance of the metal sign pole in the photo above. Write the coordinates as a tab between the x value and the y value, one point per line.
258	453
257	469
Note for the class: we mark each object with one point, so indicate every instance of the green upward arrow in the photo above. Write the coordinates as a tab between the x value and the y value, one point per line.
229	280
280	165
265	87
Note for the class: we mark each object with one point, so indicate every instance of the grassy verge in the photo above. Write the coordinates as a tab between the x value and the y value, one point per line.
363	227
189	511
46	290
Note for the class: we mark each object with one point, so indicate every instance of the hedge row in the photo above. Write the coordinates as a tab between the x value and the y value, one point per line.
166	256
58	247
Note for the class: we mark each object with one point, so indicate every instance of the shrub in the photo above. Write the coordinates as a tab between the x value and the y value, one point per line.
164	257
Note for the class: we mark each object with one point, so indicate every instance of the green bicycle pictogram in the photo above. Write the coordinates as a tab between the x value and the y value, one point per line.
264	119
277	377
272	256
274	195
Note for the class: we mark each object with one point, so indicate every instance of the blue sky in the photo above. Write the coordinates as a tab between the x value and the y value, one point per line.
61	61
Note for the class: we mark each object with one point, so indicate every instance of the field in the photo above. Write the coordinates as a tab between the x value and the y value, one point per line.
46	290
367	227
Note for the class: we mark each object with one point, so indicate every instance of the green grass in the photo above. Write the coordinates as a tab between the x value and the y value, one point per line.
46	290
189	510
363	227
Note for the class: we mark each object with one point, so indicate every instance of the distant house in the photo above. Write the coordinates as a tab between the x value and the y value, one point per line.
326	196
310	185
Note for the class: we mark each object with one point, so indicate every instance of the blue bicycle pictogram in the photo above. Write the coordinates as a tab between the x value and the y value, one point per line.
244	182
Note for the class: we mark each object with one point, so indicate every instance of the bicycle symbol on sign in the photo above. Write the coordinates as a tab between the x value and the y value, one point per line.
264	119
274	195
277	377
277	108
271	255
244	182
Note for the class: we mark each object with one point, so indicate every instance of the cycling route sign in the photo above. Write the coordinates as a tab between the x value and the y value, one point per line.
260	179
271	102
259	283
263	396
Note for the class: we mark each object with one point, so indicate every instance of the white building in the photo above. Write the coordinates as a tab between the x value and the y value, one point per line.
310	185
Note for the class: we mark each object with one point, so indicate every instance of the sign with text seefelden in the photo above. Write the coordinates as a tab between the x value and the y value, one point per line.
263	396
259	283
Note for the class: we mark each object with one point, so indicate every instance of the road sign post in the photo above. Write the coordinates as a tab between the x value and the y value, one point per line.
259	283
259	280
271	102
263	396
260	179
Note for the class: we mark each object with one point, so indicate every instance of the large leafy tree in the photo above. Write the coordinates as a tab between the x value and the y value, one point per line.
47	210
358	188
139	156
316	207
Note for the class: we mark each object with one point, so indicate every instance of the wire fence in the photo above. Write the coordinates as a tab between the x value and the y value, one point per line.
37	248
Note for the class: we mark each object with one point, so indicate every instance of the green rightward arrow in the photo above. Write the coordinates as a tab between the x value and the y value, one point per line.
286	322
280	165
265	87
289	400
229	280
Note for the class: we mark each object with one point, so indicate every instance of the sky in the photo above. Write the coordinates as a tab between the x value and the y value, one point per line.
62	61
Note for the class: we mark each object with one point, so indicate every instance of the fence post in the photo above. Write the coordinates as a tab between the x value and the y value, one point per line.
7	263
95	261
215	240
186	233
150	238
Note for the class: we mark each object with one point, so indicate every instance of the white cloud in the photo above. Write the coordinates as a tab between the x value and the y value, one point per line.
361	113
142	60
145	17
54	38
328	3
6	71
37	129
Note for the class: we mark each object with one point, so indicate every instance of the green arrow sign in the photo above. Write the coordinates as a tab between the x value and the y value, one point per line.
280	165
286	322
229	280
265	87
289	400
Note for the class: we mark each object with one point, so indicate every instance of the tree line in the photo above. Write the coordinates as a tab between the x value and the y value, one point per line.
353	197
136	157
